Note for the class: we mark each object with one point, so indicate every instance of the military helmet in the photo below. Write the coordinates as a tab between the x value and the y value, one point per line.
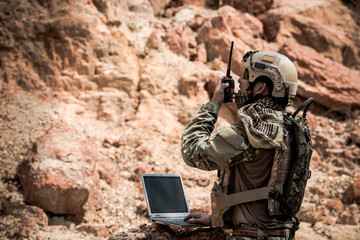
277	67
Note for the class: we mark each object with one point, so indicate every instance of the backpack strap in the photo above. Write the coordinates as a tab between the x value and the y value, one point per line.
230	200
305	105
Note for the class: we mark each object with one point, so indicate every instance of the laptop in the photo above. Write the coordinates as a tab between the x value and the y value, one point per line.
166	200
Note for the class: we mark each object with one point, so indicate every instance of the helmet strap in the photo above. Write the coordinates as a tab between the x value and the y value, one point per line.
287	89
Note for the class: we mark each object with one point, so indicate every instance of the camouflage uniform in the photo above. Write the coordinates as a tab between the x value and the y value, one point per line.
227	148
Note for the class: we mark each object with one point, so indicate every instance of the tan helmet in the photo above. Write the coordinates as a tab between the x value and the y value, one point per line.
277	67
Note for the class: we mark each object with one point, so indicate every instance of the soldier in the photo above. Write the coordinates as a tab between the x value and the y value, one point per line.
245	152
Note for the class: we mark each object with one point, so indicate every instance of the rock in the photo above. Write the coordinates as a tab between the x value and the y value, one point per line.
196	23
334	43
59	174
158	5
2	195
140	6
335	205
355	136
31	218
218	64
108	171
178	40
212	3
169	12
251	6
154	40
322	140
271	26
312	121
352	193
184	15
194	2
325	26
59	45
158	231
329	83
315	159
319	191
97	230
189	86
347	217
121	76
110	105
201	55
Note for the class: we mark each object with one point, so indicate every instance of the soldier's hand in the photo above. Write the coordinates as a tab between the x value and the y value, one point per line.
218	96
201	218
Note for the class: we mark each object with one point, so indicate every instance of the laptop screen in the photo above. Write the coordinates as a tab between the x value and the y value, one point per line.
165	194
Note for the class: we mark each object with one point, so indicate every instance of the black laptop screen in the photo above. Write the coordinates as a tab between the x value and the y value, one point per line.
165	194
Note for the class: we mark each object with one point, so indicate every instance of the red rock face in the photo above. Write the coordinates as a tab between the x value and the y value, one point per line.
329	83
59	174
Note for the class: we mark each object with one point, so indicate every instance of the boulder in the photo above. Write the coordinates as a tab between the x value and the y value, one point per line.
331	84
59	174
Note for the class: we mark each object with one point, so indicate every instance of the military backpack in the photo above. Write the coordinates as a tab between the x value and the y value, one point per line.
286	189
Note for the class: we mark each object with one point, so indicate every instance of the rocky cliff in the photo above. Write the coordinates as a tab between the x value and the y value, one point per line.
94	93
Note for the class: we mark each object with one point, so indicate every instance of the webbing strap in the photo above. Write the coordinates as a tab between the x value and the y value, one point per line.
243	197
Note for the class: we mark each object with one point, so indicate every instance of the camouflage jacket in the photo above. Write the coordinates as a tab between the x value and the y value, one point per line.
209	152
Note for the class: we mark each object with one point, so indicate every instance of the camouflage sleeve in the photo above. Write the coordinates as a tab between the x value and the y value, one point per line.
201	150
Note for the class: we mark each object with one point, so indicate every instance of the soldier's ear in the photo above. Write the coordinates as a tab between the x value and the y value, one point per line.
261	88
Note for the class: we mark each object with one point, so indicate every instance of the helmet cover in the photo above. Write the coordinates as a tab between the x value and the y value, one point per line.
277	67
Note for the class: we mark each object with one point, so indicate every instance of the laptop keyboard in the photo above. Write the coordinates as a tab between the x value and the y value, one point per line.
177	221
